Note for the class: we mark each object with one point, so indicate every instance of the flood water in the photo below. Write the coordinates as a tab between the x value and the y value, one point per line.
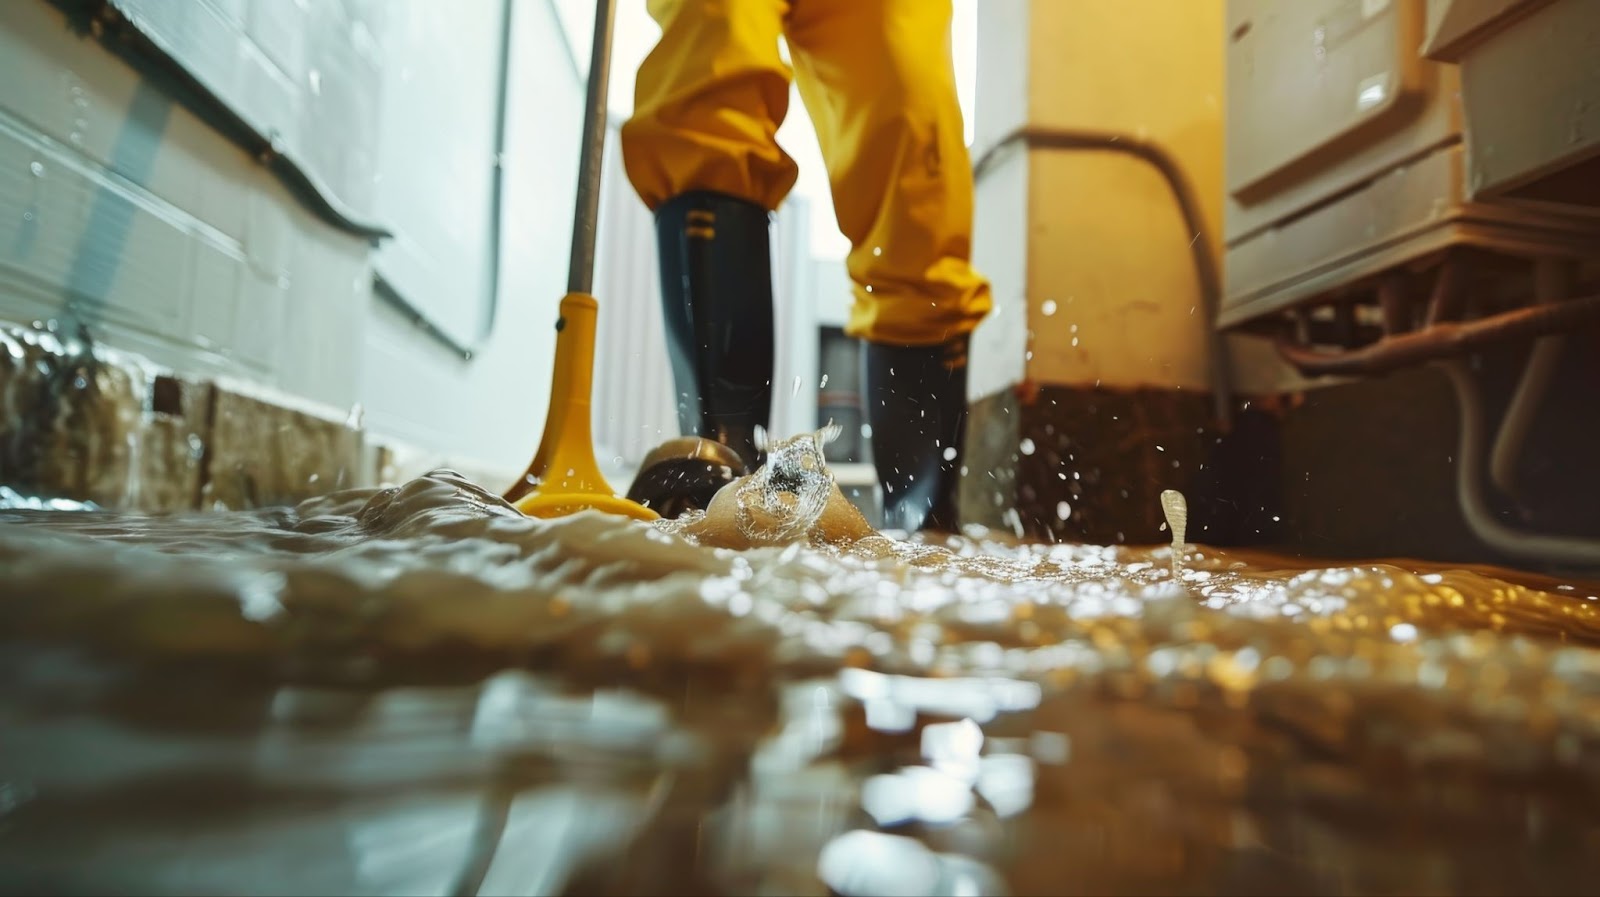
419	691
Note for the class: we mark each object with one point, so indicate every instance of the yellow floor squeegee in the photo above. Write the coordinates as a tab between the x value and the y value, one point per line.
564	477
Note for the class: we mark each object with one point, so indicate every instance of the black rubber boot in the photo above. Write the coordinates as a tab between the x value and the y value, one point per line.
716	300
916	399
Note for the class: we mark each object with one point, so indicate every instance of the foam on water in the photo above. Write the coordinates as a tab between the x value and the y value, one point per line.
368	692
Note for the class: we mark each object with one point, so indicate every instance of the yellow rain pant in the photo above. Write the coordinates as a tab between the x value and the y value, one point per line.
877	79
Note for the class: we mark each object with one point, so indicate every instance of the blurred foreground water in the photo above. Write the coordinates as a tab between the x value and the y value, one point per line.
420	691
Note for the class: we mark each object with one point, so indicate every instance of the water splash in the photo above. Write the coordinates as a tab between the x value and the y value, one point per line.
1176	509
783	500
11	499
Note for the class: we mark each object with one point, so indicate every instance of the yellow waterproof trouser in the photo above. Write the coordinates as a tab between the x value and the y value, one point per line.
877	79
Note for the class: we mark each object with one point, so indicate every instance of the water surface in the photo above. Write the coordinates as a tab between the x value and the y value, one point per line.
417	690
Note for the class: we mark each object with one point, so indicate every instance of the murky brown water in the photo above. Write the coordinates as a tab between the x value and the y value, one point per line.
419	691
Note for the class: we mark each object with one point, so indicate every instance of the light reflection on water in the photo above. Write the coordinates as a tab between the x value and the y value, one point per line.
418	691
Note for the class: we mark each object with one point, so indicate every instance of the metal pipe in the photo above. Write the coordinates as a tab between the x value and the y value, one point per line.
580	266
1205	261
1395	301
1449	297
1469	490
1553	281
1444	340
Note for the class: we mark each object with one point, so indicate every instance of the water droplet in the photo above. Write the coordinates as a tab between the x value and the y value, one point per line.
1063	510
824	383
796	390
37	168
950	453
1025	446
1048	308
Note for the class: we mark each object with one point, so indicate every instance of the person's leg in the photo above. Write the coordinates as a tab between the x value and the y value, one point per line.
701	152
707	104
877	78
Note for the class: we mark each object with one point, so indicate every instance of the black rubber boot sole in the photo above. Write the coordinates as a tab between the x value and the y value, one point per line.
684	474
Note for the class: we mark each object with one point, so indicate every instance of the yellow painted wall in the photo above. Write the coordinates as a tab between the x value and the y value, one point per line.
1109	260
